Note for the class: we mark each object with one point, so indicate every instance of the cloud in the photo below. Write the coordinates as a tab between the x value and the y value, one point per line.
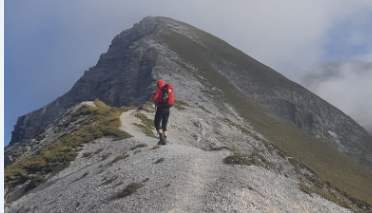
346	85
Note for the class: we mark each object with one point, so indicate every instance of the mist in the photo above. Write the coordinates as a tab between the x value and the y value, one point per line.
346	85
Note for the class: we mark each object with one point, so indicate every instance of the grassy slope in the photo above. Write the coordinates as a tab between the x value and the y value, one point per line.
103	121
327	163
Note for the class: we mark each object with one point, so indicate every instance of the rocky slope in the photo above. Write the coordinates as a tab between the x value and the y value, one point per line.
184	176
233	104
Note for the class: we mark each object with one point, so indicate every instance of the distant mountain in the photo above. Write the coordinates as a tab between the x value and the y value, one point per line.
227	102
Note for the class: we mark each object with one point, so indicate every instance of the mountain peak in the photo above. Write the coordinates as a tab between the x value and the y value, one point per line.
230	102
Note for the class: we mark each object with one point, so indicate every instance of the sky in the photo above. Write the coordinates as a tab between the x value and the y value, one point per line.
49	44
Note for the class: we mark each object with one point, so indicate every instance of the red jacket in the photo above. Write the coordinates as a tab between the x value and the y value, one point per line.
157	95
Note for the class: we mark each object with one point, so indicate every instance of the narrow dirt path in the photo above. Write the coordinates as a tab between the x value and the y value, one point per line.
129	118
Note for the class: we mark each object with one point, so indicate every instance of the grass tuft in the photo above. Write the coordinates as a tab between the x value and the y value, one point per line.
159	160
113	178
147	125
120	157
242	159
142	145
180	105
129	190
156	147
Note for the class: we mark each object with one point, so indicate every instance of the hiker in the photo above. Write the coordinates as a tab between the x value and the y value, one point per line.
163	99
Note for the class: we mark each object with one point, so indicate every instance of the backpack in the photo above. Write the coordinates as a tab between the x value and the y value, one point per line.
167	95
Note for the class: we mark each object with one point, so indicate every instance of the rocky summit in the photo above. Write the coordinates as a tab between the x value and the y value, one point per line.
242	137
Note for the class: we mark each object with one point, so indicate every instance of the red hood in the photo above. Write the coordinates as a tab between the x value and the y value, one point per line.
161	83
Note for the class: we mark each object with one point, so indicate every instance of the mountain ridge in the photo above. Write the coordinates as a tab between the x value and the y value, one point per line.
188	173
129	89
215	78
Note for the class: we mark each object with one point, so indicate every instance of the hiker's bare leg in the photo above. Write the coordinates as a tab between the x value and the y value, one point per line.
165	133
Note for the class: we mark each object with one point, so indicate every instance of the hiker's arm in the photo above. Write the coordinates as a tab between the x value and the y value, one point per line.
156	95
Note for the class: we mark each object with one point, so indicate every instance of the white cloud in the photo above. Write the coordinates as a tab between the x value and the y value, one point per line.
348	87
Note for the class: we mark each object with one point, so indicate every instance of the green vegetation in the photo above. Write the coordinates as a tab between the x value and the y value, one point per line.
180	105
333	195
147	125
242	159
327	163
113	178
156	147
120	157
58	155
141	145
236	126
130	189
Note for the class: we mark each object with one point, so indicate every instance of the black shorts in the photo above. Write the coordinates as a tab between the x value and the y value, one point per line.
161	115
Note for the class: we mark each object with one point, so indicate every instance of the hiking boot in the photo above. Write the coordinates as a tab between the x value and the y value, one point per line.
162	140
